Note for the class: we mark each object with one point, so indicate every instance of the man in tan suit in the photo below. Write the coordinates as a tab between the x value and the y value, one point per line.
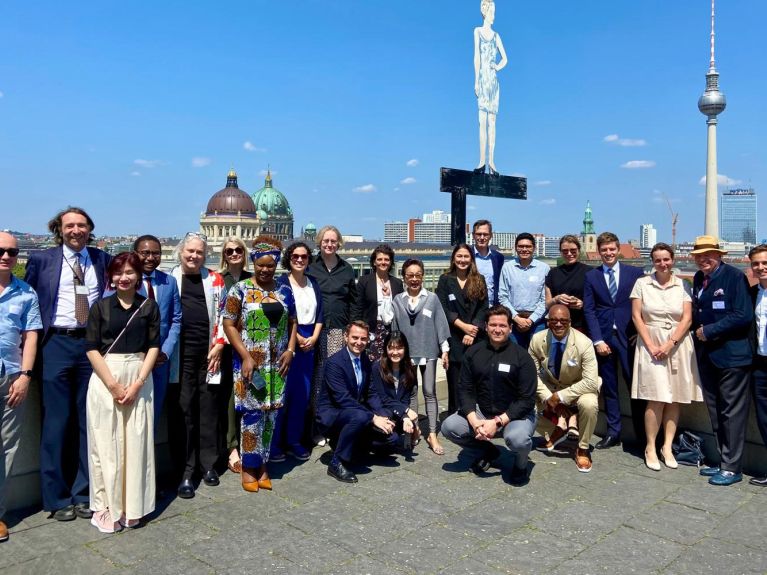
568	381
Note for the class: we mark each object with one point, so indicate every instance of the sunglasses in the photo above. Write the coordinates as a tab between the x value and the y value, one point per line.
569	251
559	321
196	235
12	252
231	251
299	257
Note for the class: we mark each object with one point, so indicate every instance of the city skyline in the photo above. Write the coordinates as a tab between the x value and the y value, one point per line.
139	119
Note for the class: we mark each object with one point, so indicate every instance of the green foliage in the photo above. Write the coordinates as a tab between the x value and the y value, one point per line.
19	270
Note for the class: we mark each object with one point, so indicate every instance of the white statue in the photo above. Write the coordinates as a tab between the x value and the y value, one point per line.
487	47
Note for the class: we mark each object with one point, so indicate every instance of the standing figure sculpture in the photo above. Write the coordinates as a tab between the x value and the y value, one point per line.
487	47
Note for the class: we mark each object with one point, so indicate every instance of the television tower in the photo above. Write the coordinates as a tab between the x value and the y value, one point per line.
712	103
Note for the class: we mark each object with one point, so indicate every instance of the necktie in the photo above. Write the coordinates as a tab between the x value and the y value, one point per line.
611	285
358	372
81	298
558	353
149	288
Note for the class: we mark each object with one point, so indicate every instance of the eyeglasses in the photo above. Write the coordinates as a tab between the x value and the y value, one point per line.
329	241
299	257
149	254
231	251
569	251
556	321
197	235
524	247
413	276
12	252
481	235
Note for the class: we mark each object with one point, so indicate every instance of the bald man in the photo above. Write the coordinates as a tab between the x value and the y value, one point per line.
19	320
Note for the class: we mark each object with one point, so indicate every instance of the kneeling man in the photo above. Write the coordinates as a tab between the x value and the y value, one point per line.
496	395
568	381
343	414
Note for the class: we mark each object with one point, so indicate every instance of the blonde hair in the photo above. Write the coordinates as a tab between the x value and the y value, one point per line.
223	265
484	6
326	229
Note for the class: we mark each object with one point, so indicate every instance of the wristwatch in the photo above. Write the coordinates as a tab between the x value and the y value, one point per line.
27	372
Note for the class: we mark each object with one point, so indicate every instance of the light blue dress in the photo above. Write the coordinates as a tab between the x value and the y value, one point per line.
487	96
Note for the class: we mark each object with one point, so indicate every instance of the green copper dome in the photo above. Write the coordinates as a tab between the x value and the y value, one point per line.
271	200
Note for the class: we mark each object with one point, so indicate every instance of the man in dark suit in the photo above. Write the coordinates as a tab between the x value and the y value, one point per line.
68	279
607	311
489	261
758	258
722	316
342	413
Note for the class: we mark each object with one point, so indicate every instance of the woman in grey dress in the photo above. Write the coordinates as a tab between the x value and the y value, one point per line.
487	47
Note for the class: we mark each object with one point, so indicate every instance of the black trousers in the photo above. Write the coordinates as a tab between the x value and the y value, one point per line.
199	404
725	391
453	377
759	387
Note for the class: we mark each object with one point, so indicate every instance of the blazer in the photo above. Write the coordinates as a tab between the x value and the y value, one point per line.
387	400
43	274
578	373
168	300
318	316
599	309
458	306
726	312
754	291
338	391
496	258
213	285
365	306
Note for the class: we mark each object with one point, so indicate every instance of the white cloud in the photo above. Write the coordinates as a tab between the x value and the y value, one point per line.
412	163
625	142
263	173
408	180
148	163
722	180
251	147
638	164
542	183
200	162
471	208
135	173
548	202
366	189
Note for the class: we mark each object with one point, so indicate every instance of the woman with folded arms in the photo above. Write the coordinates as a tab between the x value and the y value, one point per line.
564	283
420	317
123	342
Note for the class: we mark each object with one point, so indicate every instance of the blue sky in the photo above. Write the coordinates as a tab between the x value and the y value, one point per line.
136	110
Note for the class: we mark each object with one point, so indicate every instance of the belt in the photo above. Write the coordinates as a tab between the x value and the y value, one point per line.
524	314
665	324
78	332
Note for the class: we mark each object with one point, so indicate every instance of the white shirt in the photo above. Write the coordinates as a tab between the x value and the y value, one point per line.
617	269
306	303
64	310
761	321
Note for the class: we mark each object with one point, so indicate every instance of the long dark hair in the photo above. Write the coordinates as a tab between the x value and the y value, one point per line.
406	369
475	281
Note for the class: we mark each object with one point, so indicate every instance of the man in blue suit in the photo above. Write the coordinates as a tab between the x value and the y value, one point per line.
607	311
342	413
489	261
722	312
68	279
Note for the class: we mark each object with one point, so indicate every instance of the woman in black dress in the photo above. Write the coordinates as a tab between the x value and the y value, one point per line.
564	283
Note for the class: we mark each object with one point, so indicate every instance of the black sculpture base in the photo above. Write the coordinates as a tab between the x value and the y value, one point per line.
462	183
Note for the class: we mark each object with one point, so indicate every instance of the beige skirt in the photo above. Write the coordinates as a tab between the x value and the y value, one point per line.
121	443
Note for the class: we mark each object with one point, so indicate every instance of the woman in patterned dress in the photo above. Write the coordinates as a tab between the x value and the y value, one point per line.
260	322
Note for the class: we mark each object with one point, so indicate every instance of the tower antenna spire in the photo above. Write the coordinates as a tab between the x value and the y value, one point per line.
712	34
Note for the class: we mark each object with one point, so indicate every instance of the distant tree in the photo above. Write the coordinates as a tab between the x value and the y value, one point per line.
19	270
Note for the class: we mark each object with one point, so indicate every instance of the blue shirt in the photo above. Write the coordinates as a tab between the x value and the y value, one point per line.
485	267
19	312
522	289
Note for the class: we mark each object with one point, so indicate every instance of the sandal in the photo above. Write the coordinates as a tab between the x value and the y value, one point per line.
235	467
435	447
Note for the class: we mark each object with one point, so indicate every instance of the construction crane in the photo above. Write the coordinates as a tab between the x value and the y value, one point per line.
674	219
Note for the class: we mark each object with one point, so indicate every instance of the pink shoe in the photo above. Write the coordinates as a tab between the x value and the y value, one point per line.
102	520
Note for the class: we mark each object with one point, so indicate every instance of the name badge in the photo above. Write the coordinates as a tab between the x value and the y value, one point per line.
81	290
504	367
532	279
451	297
717	305
427	312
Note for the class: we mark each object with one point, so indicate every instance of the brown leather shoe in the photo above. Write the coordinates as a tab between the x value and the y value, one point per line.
3	532
583	460
557	436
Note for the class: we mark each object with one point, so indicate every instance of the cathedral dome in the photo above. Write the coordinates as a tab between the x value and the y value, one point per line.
231	200
271	200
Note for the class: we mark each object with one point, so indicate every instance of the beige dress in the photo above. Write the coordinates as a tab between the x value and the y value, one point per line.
675	379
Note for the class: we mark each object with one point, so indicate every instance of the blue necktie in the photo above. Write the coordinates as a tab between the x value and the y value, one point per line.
557	361
358	372
611	285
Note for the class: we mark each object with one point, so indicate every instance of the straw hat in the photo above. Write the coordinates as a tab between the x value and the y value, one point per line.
705	244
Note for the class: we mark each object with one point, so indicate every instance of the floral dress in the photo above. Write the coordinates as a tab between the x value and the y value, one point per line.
264	329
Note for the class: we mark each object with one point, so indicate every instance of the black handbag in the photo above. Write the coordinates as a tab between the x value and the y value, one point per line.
688	449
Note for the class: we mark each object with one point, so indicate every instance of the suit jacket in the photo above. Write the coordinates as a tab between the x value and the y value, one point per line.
754	291
168	300
365	306
339	391
578	373
601	312
726	312
387	400
43	274
458	306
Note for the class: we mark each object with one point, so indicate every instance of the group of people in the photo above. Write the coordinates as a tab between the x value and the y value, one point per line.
252	367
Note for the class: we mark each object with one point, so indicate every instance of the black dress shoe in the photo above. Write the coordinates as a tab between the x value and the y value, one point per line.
83	510
340	472
65	513
518	476
760	481
211	478
608	441
186	489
